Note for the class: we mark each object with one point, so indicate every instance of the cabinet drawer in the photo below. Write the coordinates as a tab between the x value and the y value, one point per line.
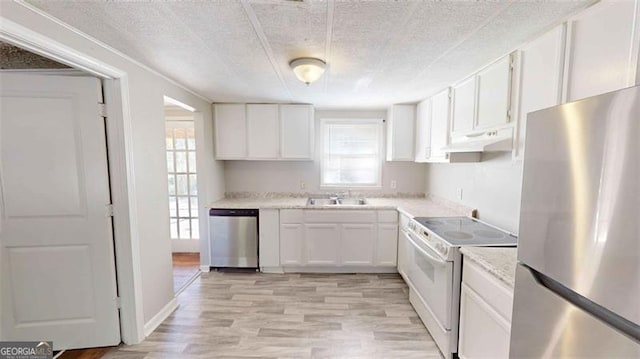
291	216
387	216
339	216
489	288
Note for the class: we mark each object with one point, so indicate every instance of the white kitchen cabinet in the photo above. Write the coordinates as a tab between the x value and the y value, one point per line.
494	92
541	69
387	245
291	240
357	242
423	131
297	132
322	243
440	115
263	131
603	49
485	314
230	131
400	132
269	238
464	106
338	239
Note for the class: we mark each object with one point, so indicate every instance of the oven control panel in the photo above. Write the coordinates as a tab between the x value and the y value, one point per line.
432	240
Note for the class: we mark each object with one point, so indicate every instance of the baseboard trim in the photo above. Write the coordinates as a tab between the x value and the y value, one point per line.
157	319
341	269
276	270
205	269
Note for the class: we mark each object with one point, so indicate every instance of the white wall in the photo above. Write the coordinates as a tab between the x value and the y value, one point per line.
492	186
285	176
146	104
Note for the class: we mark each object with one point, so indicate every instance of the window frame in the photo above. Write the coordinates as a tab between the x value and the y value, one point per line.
379	122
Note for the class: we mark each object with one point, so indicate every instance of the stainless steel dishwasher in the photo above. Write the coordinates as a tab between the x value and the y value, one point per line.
233	237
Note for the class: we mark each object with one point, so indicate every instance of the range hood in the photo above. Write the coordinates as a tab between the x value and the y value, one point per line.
492	141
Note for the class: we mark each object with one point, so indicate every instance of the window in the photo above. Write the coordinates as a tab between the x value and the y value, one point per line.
183	192
351	154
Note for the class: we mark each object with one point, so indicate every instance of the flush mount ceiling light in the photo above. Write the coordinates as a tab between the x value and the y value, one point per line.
308	69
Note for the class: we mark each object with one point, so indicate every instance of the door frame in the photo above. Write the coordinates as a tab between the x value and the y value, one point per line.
119	142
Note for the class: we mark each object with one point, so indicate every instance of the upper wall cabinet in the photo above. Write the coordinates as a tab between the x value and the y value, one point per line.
464	106
602	54
296	122
263	132
423	131
434	118
541	63
231	131
483	101
440	112
494	94
401	132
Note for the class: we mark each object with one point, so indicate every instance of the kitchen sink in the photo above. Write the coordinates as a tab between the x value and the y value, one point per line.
352	201
322	202
336	201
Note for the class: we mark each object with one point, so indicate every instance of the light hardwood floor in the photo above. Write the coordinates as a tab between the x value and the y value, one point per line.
254	315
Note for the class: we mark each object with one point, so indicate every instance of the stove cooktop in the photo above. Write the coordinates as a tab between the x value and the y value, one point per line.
466	231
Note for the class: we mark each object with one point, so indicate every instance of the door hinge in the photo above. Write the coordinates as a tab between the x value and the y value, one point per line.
102	110
118	302
109	210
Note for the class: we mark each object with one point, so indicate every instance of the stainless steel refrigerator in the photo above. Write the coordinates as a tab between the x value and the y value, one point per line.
577	290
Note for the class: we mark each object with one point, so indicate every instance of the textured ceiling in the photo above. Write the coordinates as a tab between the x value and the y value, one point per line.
379	52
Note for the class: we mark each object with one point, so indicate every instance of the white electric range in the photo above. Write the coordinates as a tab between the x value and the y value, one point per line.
433	265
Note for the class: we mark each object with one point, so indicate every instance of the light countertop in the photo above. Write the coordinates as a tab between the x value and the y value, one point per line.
413	207
501	262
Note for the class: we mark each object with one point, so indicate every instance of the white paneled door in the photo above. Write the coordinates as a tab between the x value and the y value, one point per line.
58	277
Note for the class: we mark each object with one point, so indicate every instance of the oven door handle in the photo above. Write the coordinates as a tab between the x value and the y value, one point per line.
425	253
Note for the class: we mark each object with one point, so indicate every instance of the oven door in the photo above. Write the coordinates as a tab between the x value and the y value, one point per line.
432	279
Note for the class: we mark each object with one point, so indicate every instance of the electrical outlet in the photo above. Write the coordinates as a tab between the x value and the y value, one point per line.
459	194
303	185
394	184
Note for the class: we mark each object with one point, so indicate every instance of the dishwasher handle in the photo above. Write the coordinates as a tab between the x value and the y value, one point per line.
235	212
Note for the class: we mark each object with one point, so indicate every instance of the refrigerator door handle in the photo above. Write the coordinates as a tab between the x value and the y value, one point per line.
623	325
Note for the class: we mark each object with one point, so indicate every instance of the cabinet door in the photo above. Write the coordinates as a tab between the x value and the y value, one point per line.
230	131
387	245
269	238
263	131
541	64
322	242
400	133
296	123
464	100
440	112
603	51
483	332
357	244
494	91
291	239
423	131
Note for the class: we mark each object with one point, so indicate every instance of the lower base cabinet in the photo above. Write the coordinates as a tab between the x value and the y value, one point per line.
340	238
321	244
485	315
355	238
290	244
